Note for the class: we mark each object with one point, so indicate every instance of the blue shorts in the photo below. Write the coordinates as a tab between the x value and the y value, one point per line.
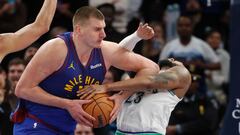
31	127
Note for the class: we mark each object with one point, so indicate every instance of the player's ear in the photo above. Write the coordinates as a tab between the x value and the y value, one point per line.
77	28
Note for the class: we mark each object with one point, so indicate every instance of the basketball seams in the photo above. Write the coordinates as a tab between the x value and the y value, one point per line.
106	104
100	109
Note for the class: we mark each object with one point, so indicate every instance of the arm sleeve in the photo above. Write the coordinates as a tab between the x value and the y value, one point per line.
130	41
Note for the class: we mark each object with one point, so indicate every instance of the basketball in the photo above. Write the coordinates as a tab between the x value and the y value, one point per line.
100	108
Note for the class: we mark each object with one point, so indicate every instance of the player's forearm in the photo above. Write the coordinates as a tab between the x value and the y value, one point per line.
30	33
45	16
38	95
130	41
135	84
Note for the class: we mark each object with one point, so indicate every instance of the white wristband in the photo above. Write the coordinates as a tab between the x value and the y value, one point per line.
130	41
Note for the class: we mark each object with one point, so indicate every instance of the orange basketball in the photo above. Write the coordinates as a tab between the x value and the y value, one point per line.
100	108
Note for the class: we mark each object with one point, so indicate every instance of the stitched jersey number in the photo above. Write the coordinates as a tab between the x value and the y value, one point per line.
137	99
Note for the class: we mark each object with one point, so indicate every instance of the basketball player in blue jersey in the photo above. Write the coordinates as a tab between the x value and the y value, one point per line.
65	65
147	111
12	42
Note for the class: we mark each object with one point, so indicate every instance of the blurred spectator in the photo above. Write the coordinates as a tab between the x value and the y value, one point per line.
153	47
30	52
171	15
219	77
83	130
125	11
218	80
194	10
63	15
224	28
153	10
15	70
195	114
110	76
3	77
65	11
5	125
55	31
13	15
192	51
109	12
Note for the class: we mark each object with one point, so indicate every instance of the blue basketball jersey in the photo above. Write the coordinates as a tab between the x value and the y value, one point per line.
65	83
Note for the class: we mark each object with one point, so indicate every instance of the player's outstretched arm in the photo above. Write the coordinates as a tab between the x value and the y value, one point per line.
176	78
144	31
11	42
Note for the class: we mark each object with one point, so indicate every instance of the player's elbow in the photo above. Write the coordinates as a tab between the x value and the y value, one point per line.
19	91
42	27
149	82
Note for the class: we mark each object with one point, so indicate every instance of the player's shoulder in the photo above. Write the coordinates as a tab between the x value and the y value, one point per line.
55	45
108	43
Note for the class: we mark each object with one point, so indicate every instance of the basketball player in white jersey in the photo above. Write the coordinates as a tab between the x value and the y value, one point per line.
147	112
12	42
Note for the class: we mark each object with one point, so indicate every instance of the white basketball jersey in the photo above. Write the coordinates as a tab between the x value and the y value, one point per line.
147	111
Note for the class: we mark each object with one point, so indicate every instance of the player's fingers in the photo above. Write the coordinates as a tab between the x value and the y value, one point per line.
83	90
78	120
115	108
82	97
113	119
85	121
85	94
114	116
140	24
87	116
86	101
112	97
89	96
80	93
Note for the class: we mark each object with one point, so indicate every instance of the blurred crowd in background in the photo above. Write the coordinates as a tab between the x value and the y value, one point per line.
194	32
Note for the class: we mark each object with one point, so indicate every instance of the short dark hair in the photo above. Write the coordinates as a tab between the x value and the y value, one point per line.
16	61
166	63
184	16
84	13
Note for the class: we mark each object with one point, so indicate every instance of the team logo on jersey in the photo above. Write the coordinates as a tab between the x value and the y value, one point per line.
72	66
96	66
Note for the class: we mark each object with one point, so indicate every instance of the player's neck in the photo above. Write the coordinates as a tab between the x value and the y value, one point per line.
81	47
83	50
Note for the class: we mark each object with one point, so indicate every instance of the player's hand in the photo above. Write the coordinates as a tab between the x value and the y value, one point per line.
176	62
118	100
144	31
89	91
74	107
